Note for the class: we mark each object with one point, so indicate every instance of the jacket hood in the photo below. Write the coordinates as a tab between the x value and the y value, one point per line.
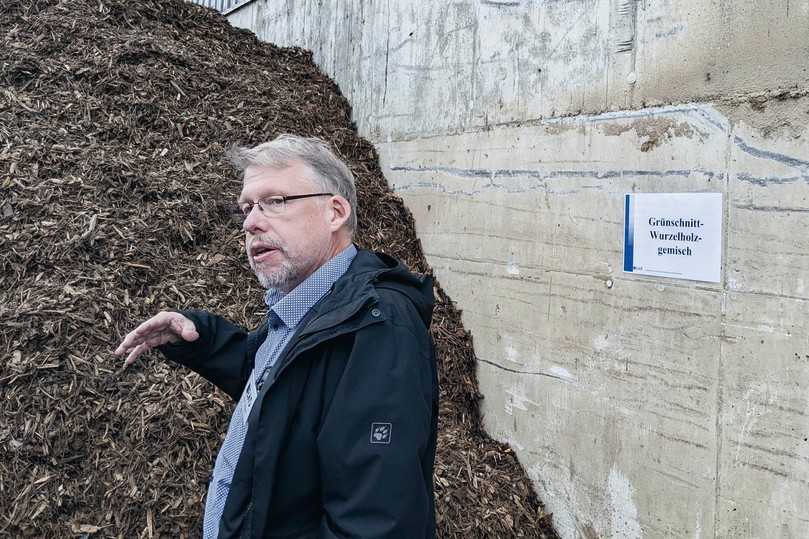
384	271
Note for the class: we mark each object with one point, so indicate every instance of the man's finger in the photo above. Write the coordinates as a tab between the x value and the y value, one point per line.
126	345
161	338
133	355
137	336
132	339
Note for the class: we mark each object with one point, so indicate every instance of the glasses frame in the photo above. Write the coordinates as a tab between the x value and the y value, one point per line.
246	208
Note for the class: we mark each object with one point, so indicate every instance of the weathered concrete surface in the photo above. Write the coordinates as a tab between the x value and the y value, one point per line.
642	407
763	463
609	395
415	68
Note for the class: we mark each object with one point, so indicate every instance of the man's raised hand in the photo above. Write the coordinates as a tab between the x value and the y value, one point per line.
162	328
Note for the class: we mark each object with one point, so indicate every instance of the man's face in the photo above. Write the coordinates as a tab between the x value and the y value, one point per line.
283	249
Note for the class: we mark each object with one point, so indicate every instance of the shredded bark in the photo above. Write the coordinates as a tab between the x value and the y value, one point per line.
116	203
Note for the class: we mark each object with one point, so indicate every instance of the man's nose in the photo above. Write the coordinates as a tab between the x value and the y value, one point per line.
255	222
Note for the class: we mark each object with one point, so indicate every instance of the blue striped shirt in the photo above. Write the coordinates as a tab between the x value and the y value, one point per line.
284	315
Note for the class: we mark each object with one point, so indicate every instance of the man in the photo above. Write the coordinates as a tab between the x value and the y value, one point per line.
334	432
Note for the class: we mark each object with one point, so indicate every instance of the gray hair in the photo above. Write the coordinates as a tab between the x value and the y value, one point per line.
329	171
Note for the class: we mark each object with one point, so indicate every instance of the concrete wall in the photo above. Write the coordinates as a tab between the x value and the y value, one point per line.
642	407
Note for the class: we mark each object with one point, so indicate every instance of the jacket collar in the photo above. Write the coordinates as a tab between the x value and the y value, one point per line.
357	288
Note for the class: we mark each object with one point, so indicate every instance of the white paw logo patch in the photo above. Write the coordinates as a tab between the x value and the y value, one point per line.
380	433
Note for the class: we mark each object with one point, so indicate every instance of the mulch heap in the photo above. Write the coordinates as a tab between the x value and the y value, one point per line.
116	203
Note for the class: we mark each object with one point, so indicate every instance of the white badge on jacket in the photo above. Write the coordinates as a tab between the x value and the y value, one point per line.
249	398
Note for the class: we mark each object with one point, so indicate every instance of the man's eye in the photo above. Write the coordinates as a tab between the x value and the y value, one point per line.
245	208
274	202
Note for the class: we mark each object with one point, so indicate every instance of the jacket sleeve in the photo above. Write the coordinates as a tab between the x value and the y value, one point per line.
219	355
377	441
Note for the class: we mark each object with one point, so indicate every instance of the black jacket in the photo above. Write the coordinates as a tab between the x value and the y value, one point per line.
341	441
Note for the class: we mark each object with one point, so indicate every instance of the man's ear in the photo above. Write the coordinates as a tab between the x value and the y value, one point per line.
339	212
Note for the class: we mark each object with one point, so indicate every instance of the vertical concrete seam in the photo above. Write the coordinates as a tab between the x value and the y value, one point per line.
304	19
606	61
258	24
334	25
387	57
321	41
634	44
473	70
349	33
720	372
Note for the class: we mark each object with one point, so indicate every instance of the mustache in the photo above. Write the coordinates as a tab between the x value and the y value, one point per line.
265	240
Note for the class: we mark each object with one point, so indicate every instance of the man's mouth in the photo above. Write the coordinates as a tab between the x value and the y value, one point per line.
261	252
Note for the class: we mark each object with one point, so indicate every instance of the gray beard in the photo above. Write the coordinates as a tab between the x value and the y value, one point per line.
279	279
287	277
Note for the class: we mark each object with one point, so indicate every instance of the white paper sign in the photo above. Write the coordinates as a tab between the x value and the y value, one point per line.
676	235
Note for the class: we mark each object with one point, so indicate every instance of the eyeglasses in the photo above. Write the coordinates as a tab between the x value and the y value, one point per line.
275	205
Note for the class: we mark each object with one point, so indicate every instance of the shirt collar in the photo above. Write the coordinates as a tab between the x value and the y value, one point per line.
291	308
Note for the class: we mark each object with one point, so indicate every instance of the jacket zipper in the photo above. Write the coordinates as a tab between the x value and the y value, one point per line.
249	513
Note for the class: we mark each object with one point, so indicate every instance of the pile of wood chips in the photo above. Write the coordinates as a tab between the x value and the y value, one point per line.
116	203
